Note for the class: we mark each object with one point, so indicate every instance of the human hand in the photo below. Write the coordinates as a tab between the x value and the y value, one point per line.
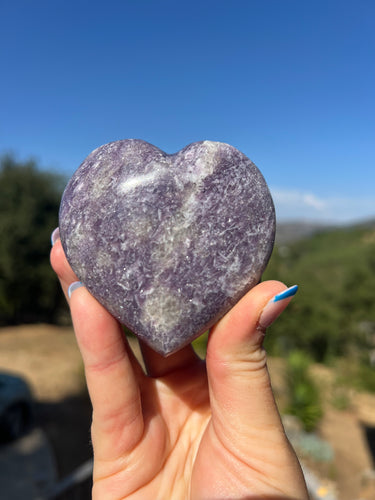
187	429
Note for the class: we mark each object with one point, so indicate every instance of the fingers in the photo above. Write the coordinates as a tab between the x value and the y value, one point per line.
112	383
240	388
60	265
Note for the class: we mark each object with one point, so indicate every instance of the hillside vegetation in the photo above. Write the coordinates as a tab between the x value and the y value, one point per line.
333	313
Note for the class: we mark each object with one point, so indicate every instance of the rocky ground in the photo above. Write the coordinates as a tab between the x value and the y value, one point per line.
48	358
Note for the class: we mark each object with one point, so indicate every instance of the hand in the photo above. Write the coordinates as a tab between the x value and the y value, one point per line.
188	429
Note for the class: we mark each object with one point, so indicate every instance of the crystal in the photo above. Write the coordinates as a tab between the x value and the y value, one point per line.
168	243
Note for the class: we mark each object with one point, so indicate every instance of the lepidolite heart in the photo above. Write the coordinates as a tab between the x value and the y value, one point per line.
167	243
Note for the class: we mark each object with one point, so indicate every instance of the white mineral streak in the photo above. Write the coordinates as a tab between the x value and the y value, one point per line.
166	314
79	187
202	168
78	235
177	228
140	180
204	164
103	260
163	310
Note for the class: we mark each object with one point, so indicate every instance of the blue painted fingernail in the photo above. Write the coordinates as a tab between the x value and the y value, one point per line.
74	286
274	307
289	292
55	236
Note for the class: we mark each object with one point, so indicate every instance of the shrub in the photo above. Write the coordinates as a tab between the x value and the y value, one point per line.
303	394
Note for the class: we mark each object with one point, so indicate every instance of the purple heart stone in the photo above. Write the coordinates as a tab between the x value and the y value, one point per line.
167	243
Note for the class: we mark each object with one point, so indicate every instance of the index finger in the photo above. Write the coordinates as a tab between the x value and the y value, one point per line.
112	379
60	264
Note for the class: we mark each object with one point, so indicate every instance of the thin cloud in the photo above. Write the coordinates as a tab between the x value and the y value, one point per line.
294	204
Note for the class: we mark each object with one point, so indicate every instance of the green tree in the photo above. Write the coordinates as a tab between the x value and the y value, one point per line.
29	203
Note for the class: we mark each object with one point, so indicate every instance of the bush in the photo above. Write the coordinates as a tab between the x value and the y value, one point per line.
302	393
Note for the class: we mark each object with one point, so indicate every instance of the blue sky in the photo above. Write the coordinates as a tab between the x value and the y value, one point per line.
288	82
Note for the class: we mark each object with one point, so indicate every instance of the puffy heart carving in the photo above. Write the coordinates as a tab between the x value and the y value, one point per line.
167	243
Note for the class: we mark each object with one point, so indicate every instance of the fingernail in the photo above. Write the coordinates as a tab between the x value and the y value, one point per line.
275	307
55	236
74	286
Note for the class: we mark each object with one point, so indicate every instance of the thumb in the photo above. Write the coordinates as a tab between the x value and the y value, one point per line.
240	387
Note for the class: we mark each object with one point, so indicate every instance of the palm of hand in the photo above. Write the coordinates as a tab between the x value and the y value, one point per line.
160	464
183	452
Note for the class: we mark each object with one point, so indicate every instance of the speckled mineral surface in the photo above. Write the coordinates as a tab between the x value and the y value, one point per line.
167	243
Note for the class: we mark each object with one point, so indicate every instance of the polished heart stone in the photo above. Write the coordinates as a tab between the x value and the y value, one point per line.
167	243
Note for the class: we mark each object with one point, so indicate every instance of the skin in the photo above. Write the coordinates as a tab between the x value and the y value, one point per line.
187	429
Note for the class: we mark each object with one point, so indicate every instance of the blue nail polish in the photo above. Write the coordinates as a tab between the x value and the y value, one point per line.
289	292
55	236
74	286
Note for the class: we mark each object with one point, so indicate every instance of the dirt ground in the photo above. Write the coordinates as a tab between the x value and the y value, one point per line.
48	358
350	432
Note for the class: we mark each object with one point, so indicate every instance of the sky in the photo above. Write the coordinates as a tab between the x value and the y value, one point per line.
290	83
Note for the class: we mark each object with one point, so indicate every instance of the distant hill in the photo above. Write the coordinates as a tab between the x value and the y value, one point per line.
292	231
288	232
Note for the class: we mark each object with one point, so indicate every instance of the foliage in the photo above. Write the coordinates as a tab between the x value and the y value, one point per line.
200	345
356	373
336	273
365	377
303	395
29	203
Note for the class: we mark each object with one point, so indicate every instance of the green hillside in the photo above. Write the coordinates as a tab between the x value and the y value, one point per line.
333	313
